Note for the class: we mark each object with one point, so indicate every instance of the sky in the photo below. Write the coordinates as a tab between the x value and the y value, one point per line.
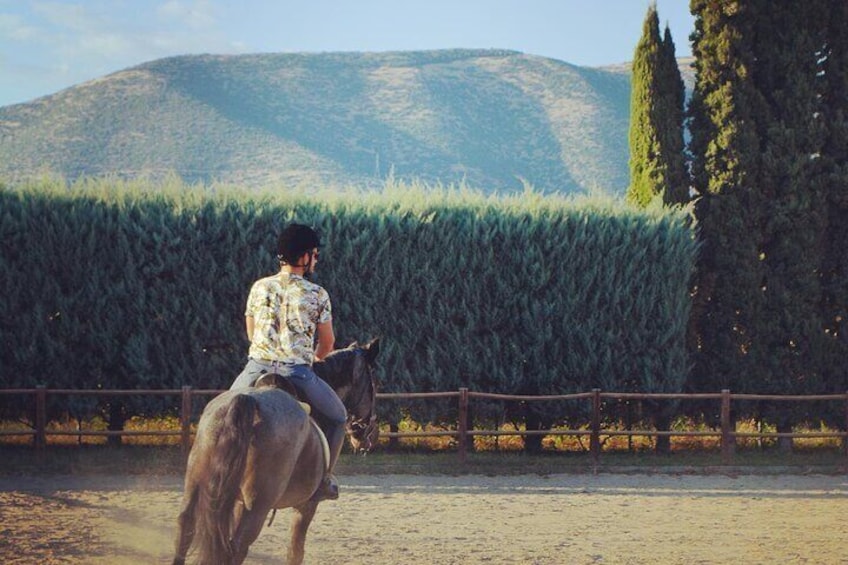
49	45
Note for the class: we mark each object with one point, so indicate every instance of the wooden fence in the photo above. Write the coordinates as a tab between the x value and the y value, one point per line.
727	432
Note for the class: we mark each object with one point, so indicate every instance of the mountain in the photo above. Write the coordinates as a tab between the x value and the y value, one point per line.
492	118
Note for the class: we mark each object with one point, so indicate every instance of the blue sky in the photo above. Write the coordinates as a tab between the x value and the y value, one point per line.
49	45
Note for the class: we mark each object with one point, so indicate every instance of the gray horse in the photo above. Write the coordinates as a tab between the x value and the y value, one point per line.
256	450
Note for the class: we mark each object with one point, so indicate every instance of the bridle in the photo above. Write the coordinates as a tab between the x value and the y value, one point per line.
364	426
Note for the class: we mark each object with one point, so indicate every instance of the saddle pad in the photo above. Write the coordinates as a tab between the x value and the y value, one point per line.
324	443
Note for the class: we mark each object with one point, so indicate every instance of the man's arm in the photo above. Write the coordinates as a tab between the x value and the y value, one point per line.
249	324
326	339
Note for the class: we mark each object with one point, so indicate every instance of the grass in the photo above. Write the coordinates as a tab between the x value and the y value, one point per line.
168	461
504	455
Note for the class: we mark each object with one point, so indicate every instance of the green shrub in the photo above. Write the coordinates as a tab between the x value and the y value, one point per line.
116	284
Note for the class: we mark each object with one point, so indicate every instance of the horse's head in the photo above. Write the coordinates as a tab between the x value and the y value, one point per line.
350	371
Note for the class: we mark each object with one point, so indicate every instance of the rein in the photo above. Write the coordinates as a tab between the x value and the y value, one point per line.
366	426
359	424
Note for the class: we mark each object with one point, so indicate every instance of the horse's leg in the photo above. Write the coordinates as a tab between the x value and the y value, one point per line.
247	531
185	525
300	524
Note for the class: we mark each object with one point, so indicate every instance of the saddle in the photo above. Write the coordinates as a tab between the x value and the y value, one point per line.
273	380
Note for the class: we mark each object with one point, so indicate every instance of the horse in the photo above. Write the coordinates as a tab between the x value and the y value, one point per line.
257	450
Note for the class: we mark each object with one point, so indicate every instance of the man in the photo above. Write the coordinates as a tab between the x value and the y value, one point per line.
289	324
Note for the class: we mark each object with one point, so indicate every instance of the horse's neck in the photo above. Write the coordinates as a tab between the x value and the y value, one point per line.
334	375
343	387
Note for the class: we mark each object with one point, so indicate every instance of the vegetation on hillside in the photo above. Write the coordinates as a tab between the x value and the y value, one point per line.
493	119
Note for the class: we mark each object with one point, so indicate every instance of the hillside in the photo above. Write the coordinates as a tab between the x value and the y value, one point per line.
491	118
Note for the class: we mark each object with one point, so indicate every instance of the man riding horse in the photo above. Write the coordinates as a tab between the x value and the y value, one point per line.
289	324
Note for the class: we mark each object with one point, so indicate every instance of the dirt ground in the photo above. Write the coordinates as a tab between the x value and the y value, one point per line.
404	519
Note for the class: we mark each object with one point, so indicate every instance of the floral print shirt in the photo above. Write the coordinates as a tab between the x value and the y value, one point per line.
286	309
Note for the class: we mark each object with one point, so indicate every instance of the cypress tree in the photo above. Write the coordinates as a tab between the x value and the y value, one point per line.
645	174
725	161
672	99
795	216
757	138
656	119
834	162
786	43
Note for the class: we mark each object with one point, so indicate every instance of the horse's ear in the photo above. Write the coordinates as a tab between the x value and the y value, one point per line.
372	349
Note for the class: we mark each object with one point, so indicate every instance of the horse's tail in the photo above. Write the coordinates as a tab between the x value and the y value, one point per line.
218	494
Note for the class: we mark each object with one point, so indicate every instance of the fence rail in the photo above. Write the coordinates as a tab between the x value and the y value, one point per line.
726	433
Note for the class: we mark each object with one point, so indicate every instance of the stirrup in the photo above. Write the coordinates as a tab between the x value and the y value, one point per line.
327	490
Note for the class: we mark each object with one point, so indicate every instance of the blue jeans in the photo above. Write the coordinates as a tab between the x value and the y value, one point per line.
314	390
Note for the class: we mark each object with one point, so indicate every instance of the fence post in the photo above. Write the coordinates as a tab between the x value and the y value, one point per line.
595	438
845	429
185	420
40	416
463	424
727	440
